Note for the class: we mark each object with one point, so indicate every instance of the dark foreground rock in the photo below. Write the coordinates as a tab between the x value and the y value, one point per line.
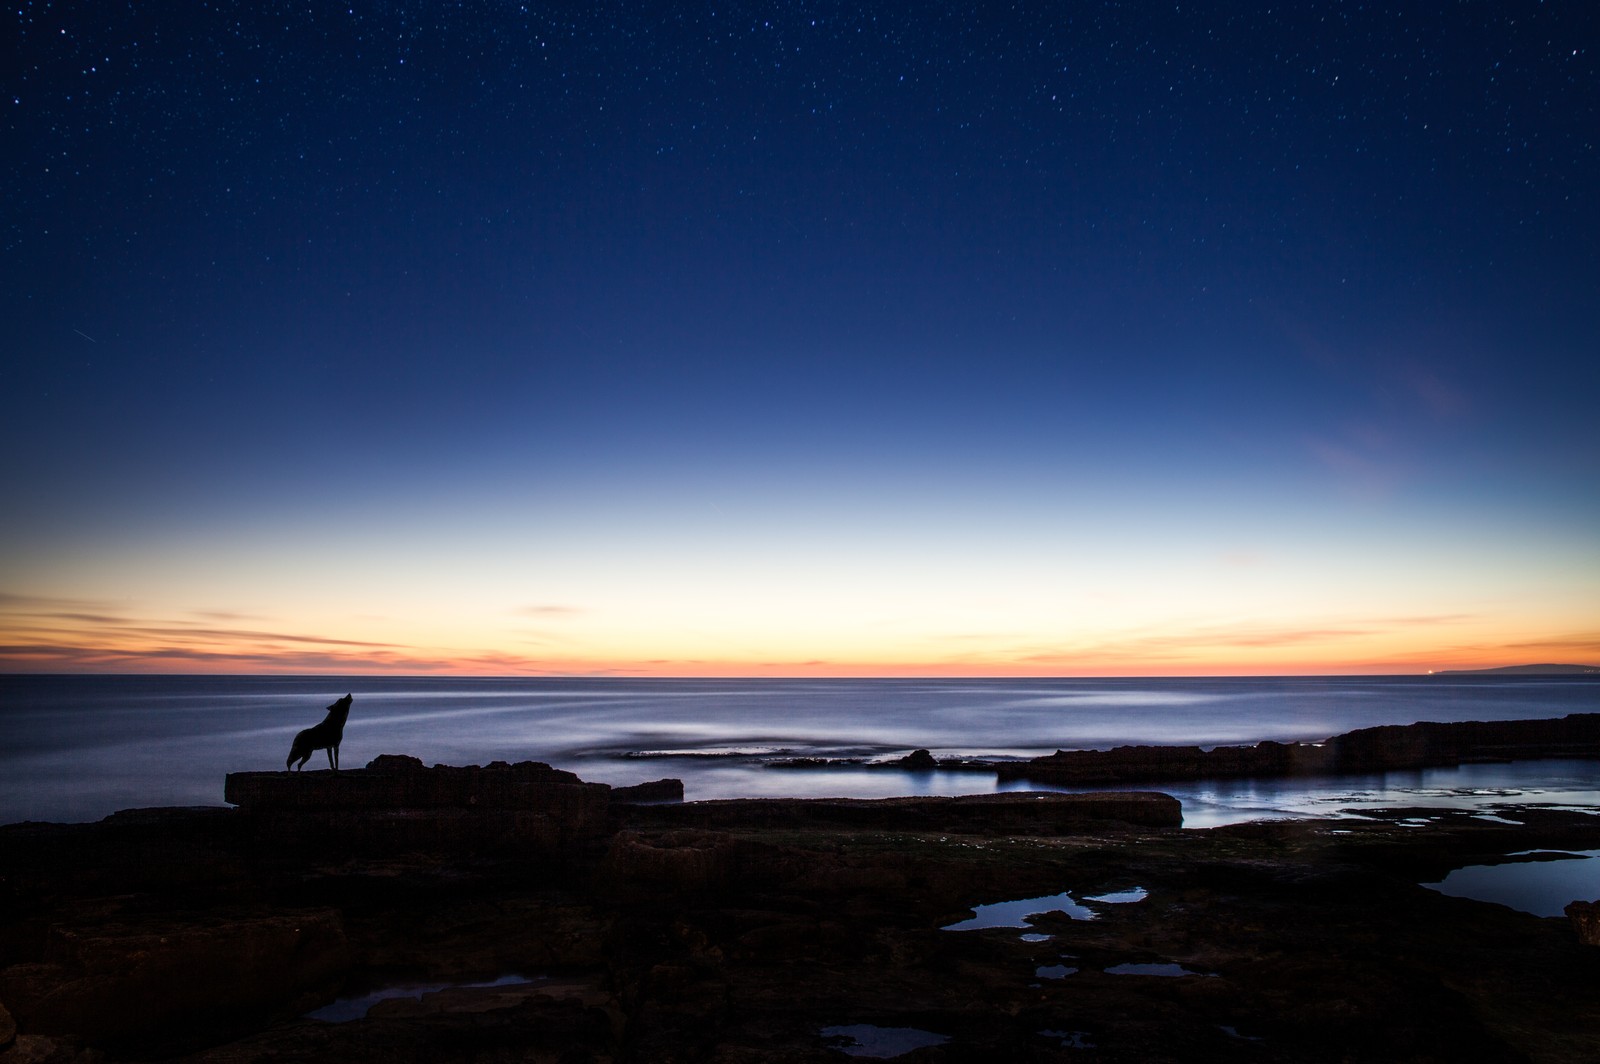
1021	812
1380	749
753	931
1585	917
396	802
395	781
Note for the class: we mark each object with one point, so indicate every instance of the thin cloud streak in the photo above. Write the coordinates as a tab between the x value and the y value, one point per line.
85	639
549	611
1208	647
61	633
46	657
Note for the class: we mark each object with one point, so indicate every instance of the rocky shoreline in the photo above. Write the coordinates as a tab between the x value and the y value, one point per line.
1382	749
1386	748
549	919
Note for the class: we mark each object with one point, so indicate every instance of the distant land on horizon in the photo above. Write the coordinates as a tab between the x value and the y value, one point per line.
1524	670
1545	669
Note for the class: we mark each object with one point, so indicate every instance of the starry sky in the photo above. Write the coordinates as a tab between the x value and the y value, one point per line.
799	338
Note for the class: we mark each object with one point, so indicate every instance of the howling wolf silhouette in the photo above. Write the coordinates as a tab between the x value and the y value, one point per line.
325	736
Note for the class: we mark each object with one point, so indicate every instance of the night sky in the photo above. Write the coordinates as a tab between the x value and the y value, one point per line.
1071	338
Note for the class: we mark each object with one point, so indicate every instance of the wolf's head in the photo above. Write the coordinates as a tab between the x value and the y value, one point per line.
341	708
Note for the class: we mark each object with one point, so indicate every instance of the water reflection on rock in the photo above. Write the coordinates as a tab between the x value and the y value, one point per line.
1540	882
356	1006
1017	913
868	1040
1164	970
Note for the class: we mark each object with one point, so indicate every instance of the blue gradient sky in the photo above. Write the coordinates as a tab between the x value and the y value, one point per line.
800	338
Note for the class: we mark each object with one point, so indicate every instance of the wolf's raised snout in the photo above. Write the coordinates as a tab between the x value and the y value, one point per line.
325	736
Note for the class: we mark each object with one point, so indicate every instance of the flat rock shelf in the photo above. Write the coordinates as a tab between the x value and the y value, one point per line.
1425	744
769	930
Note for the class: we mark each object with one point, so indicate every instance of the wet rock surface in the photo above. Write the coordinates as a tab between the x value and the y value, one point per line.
1585	917
396	802
747	931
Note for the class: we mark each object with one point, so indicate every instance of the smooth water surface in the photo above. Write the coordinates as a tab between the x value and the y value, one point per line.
1016	913
80	747
1159	970
869	1040
1541	882
356	1006
1565	783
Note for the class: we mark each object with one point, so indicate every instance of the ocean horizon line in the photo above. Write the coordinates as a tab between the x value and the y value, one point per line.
81	745
1510	671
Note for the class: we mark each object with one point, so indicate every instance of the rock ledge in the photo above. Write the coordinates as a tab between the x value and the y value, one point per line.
1397	746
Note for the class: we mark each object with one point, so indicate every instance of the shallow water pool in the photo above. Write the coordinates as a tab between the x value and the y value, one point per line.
1016	913
1541	882
869	1040
356	1006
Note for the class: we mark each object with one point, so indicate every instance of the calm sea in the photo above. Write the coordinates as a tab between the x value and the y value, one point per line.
76	748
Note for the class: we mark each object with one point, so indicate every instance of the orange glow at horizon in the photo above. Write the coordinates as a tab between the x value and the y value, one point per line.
911	598
64	641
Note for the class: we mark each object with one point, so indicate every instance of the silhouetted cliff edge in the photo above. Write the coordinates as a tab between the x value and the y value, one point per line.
1525	670
1396	746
